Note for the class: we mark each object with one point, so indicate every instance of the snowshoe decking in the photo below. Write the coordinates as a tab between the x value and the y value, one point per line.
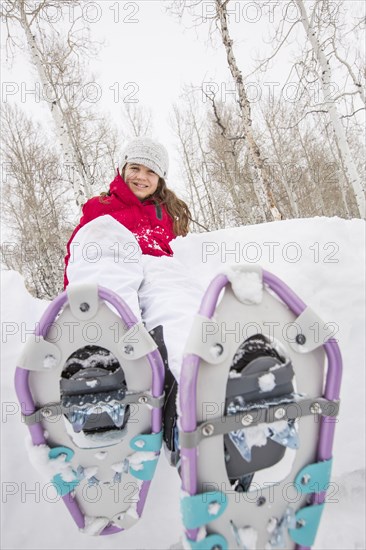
90	385
258	397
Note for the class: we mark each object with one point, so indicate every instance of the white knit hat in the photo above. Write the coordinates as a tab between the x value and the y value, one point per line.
150	153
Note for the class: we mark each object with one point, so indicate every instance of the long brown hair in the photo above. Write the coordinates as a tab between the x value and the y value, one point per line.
175	207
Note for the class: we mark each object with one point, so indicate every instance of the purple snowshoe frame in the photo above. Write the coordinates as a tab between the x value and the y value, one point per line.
188	384
28	406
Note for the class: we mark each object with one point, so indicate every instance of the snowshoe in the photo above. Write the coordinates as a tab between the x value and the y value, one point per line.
258	397
90	383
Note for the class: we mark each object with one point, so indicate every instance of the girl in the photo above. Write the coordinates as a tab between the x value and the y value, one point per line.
123	243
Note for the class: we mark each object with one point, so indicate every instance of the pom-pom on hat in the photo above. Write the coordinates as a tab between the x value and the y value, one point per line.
150	153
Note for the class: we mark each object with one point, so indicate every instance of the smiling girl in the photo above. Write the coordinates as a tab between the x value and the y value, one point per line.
123	243
140	201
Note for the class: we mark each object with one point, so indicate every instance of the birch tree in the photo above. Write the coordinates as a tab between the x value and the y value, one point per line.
280	160
186	146
216	163
328	74
60	75
190	132
266	200
138	121
261	183
232	166
35	206
325	76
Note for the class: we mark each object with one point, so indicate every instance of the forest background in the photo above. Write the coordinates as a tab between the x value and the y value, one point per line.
260	104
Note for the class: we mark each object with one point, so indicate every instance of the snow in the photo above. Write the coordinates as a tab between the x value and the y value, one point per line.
49	362
92	383
90	472
101	455
323	261
248	537
272	524
137	459
214	508
234	374
256	436
93	526
267	382
45	466
140	443
118	467
106	360
247	286
185	544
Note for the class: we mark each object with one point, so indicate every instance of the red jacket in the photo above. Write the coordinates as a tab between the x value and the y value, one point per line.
150	223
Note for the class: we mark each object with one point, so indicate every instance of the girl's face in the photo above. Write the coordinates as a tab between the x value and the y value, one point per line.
142	181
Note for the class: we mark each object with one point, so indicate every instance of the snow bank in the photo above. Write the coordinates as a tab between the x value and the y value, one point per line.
323	261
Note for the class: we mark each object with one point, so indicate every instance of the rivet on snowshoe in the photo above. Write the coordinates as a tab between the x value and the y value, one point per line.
300	339
128	349
46	413
143	399
216	350
261	501
305	479
280	413
217	547
84	307
247	420
208	430
49	361
316	408
300	523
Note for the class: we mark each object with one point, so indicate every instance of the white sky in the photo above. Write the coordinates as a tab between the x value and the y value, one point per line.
149	55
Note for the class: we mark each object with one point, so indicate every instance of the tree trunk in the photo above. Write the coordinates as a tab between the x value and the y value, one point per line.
340	135
72	159
208	191
318	191
275	140
261	183
191	179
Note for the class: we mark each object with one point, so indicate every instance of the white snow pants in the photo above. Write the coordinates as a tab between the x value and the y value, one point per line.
159	290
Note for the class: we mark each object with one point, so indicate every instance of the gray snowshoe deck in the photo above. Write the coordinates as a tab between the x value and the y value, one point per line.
252	425
91	388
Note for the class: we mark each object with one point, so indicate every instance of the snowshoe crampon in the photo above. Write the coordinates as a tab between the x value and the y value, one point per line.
258	396
90	385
